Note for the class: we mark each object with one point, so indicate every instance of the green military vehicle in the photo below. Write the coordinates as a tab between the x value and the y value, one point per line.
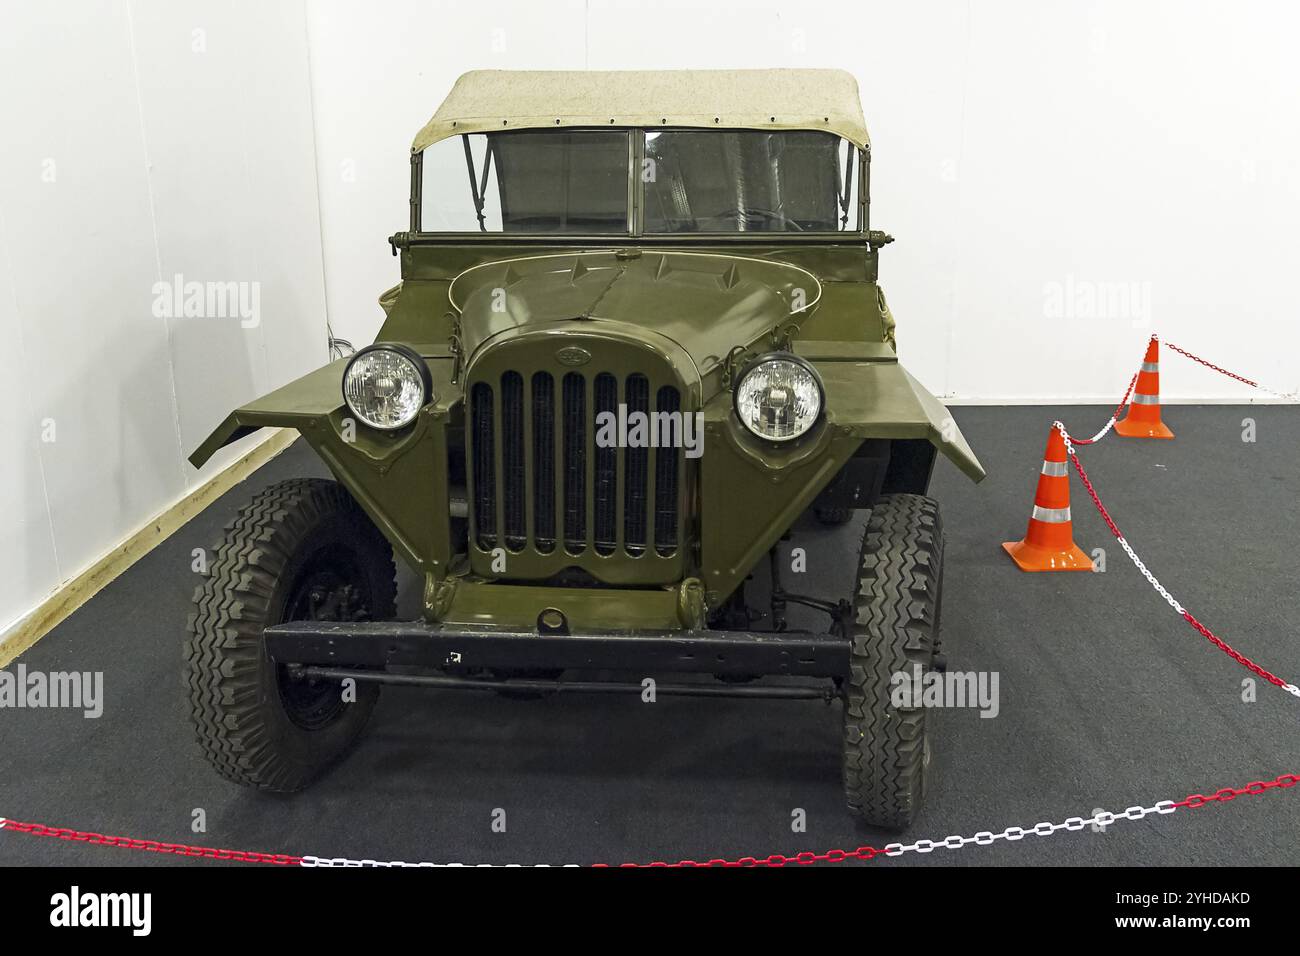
638	334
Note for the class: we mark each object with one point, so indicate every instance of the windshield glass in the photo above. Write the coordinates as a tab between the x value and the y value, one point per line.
690	181
570	181
745	181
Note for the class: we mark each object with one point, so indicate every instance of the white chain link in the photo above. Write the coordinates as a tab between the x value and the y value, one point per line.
1151	578
1288	396
1102	434
1102	818
1105	430
1065	436
1099	820
1146	573
1291	689
1285	396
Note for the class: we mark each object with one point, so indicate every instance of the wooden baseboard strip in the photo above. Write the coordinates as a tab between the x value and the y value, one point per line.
81	588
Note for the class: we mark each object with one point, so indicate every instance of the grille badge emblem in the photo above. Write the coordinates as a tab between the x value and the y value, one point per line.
572	355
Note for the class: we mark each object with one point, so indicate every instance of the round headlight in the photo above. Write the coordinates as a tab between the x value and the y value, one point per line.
386	386
779	398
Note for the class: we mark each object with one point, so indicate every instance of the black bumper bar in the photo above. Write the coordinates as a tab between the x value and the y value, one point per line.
419	644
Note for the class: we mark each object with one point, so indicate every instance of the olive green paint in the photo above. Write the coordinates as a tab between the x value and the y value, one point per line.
685	311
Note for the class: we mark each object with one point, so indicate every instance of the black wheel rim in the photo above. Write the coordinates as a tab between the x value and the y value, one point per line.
330	587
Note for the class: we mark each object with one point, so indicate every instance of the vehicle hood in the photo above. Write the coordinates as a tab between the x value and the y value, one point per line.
704	303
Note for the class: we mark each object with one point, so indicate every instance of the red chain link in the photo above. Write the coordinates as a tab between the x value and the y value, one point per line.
1253	789
1204	631
775	859
152	846
1128	392
1118	408
1236	655
1211	365
1092	492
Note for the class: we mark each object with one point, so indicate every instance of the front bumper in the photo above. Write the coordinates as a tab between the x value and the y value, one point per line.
457	647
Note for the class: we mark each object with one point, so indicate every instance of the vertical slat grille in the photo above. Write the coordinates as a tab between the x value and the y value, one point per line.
669	401
541	478
575	463
635	477
544	462
485	483
514	494
606	474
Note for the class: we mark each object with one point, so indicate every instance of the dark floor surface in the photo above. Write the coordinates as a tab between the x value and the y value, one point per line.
1108	699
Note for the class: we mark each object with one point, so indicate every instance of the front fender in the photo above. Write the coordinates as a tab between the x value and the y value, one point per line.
302	402
879	399
399	478
751	493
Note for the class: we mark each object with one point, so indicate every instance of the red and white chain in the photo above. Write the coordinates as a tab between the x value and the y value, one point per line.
1132	382
1288	396
1099	820
1114	416
1160	589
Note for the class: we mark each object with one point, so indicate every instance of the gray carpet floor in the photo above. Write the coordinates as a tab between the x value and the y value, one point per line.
1108	699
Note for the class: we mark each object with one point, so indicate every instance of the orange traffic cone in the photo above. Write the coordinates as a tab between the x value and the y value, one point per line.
1049	543
1143	418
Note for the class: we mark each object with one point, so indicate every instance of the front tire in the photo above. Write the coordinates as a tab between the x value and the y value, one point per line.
301	550
895	629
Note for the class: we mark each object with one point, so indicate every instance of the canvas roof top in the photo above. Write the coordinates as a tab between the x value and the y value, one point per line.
488	100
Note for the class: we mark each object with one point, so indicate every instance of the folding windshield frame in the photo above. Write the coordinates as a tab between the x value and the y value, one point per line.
636	203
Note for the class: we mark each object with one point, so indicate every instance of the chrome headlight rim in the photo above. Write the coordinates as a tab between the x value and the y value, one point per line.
793	359
417	363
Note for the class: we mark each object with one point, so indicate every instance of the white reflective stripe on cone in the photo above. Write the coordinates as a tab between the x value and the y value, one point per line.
1055	469
1150	366
1051	515
1140	399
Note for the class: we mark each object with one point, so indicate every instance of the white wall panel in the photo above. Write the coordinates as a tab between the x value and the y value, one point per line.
1144	155
28	568
225	102
142	140
79	239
